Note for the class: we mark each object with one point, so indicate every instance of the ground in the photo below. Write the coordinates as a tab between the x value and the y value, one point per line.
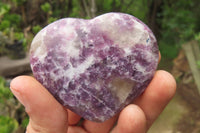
182	115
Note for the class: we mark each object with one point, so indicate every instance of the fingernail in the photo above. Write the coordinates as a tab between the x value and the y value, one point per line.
20	97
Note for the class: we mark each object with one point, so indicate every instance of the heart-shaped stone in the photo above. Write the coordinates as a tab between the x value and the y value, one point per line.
95	67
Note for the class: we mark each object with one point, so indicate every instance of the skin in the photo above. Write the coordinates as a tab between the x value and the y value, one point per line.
48	116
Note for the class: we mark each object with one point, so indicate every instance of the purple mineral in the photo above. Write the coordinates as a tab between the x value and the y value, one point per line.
95	67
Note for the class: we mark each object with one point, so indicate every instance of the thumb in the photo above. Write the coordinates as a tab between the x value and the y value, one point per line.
46	114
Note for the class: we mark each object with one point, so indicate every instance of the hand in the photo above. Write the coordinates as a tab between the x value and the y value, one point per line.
48	116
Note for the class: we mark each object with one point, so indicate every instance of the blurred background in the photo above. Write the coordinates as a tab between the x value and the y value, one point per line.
175	23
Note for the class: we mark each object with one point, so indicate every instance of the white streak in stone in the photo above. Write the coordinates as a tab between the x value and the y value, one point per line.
126	38
127	51
75	71
72	49
38	45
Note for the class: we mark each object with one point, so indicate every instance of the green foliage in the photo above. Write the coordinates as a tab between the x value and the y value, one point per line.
13	110
36	29
51	19
180	20
8	20
7	124
19	2
20	36
46	7
25	122
76	10
13	18
178	25
5	92
5	8
167	50
10	25
5	24
137	8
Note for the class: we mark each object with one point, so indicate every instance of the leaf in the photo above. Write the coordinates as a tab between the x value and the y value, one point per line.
7	124
46	7
5	92
4	8
25	122
4	24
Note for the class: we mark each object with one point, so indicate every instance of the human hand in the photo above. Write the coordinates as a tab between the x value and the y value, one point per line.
48	116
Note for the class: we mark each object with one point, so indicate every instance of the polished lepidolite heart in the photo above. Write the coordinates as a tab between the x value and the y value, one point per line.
95	67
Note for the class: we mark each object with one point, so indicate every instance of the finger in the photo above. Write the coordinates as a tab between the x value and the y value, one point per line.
75	129
46	114
73	118
131	120
157	95
94	127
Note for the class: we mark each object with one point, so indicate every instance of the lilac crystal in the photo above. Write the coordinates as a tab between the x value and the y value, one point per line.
95	67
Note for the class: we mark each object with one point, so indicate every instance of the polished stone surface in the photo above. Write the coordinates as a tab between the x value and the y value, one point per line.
95	67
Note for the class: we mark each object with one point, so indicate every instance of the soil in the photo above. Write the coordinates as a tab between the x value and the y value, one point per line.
190	122
186	88
182	115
